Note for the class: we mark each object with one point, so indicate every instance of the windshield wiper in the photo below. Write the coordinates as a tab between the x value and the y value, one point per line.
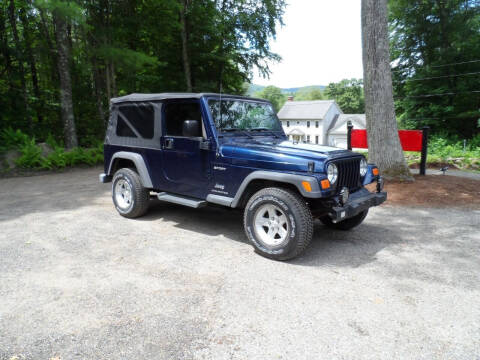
265	129
241	131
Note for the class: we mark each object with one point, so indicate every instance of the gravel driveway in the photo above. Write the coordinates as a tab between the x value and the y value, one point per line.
77	281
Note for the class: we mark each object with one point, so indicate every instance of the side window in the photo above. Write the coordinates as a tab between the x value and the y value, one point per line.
123	129
135	120
177	112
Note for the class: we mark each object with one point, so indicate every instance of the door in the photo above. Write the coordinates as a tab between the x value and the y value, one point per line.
186	160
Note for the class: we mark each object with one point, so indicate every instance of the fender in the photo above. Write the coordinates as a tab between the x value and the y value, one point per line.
293	179
139	164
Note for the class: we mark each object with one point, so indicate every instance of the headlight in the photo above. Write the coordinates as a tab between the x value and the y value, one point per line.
363	167
332	173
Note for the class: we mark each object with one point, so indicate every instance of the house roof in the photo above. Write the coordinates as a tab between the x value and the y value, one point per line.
305	110
296	131
339	124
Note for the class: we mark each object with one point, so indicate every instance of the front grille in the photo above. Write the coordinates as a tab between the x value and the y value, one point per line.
348	174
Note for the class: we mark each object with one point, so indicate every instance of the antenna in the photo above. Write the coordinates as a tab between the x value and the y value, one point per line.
220	105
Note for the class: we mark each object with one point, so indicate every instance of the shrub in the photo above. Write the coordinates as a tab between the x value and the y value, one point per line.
12	139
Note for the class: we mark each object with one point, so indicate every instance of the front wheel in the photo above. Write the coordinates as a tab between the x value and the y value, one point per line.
345	224
129	196
278	223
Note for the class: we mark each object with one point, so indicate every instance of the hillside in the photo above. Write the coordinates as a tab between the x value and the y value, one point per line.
253	88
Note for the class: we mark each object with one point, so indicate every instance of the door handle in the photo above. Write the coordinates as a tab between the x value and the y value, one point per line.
168	144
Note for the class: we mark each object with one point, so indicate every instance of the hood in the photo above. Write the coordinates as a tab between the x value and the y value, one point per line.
280	154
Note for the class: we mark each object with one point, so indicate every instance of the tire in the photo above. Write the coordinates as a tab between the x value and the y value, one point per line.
347	224
289	212
130	198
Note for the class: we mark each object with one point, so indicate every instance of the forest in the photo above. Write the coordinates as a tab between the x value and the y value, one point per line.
62	60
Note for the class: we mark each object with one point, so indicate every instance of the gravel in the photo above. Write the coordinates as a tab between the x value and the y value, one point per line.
77	281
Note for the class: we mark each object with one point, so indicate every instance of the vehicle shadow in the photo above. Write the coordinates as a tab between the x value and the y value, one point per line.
328	247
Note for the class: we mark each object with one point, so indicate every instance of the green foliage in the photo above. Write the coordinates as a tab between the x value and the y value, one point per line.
12	139
434	46
348	94
274	95
309	93
31	154
121	47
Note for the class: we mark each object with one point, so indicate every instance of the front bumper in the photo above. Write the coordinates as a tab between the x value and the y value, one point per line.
104	178
358	202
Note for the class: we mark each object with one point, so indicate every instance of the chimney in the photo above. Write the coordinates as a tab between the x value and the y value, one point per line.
290	98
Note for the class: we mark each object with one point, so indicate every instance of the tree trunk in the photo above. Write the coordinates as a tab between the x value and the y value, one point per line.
98	89
384	147
6	54
18	48
186	59
63	64
31	61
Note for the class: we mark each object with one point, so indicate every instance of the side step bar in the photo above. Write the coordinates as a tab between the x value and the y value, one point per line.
181	200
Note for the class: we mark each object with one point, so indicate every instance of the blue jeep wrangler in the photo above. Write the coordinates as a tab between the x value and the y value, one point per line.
199	149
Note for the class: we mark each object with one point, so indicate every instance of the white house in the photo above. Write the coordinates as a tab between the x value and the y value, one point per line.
318	122
307	121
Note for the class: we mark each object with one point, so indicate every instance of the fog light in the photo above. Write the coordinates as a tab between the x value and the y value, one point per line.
344	194
380	184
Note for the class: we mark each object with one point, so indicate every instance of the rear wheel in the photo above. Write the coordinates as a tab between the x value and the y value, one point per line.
130	198
278	223
345	224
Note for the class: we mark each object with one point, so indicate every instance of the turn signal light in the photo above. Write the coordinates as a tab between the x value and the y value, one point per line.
375	171
306	185
325	184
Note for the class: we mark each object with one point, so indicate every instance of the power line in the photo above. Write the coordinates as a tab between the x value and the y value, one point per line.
442	65
443	94
458	63
440	77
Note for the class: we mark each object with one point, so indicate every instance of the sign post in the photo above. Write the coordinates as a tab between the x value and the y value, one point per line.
411	140
423	160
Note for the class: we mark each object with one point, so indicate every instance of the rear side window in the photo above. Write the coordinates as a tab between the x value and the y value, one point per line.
136	120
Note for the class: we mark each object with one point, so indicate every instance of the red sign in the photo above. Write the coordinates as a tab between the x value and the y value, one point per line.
411	140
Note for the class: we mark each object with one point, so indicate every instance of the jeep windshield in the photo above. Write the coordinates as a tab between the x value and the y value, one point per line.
243	116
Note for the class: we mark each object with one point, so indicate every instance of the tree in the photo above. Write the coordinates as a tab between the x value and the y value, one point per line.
19	54
348	94
274	95
63	63
384	147
309	93
435	51
76	54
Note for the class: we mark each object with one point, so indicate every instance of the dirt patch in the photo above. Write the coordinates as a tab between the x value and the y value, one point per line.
434	191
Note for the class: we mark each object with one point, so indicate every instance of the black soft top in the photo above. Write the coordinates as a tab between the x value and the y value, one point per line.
162	96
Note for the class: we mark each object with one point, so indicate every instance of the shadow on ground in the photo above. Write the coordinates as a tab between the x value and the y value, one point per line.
329	247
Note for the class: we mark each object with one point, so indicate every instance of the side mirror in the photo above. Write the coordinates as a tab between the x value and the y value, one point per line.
191	128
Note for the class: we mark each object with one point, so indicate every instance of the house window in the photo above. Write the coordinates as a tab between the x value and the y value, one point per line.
308	124
288	123
308	136
316	139
316	124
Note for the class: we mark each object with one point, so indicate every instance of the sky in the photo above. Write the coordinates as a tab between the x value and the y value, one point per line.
319	43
